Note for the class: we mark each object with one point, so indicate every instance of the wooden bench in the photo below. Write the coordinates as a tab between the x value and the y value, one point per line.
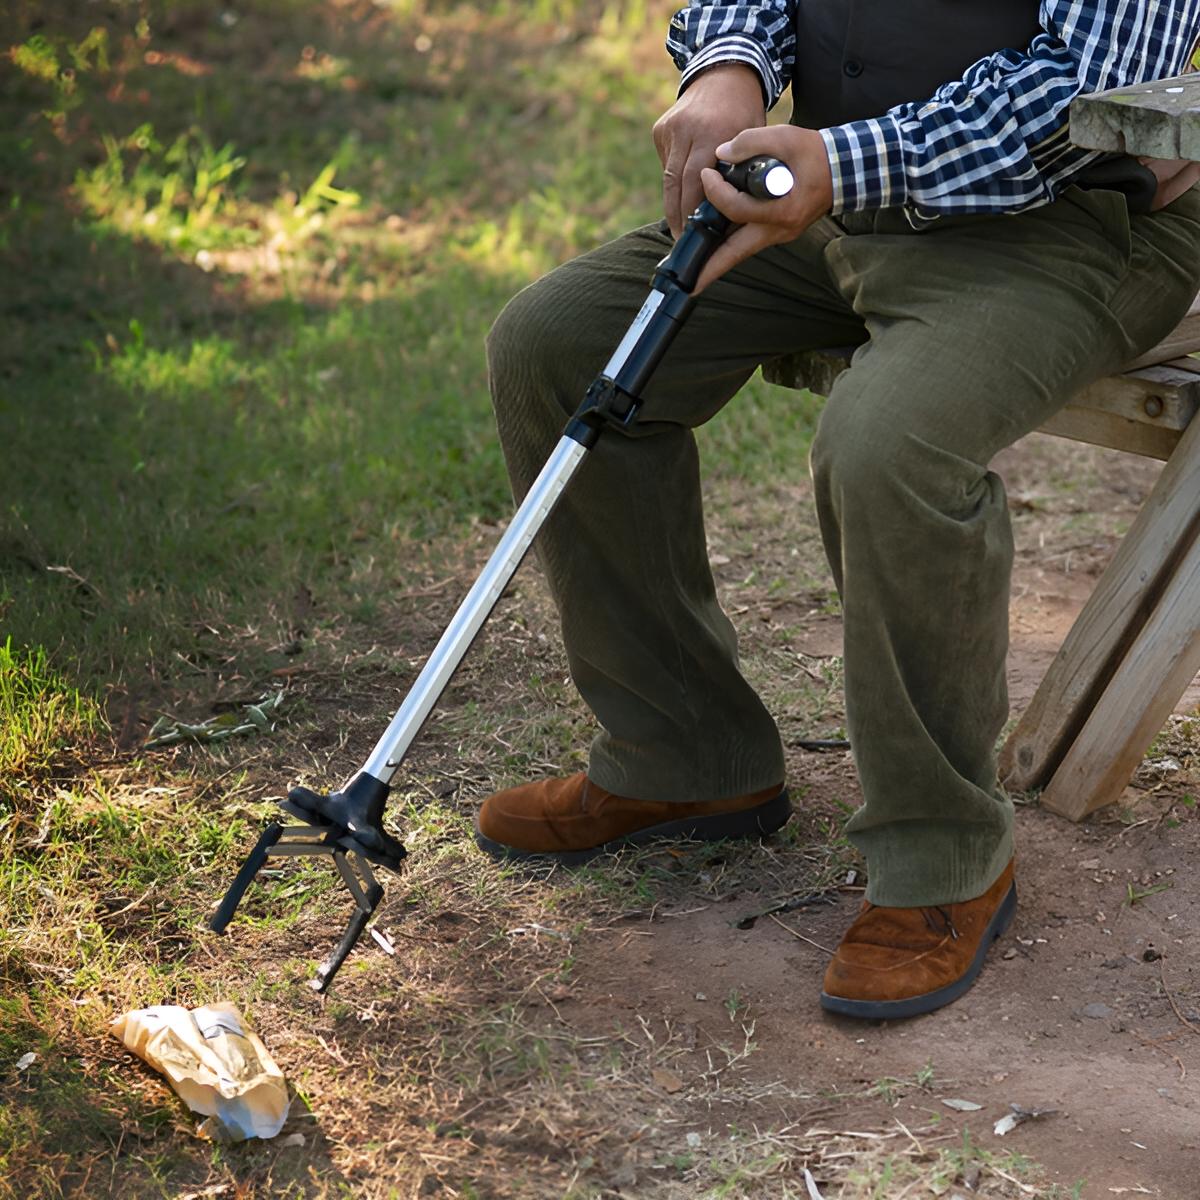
1135	647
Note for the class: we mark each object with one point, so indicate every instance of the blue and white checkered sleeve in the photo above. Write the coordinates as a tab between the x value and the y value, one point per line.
759	35
996	140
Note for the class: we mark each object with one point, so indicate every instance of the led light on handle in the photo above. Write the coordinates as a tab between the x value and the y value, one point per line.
762	177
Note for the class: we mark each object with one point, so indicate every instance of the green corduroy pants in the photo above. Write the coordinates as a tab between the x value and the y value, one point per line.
970	333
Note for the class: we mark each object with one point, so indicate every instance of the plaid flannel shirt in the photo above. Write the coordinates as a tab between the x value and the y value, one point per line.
994	140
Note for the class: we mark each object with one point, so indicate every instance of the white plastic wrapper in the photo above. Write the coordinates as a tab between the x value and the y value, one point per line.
217	1065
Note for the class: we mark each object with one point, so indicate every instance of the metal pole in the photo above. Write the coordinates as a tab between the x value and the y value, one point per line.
540	500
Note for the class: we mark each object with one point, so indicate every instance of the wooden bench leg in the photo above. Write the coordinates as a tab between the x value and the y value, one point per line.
1137	597
1163	660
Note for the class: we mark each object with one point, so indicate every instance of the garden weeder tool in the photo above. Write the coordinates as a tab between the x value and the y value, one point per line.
348	825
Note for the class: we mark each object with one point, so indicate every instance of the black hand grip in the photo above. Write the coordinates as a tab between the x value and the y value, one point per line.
762	177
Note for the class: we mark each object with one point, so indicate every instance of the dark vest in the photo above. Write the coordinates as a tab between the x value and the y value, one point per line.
858	58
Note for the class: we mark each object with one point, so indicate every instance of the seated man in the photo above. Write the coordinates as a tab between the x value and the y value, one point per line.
943	224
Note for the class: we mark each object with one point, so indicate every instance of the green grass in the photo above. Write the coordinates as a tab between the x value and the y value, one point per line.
250	258
254	265
40	715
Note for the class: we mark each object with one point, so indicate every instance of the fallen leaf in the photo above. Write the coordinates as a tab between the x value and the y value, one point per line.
667	1080
1018	1116
26	1061
962	1105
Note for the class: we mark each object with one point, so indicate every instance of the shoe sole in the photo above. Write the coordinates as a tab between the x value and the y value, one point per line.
914	1006
758	822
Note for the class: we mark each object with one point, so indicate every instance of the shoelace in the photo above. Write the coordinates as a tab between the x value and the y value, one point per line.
947	925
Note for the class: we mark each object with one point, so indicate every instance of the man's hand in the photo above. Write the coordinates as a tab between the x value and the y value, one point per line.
1174	177
719	103
768	222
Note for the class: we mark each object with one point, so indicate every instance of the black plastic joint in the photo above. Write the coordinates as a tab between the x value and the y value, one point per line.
604	405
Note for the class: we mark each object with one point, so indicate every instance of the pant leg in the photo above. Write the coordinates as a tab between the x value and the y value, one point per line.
649	648
979	330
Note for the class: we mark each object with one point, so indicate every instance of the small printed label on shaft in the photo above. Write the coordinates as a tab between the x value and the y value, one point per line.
630	339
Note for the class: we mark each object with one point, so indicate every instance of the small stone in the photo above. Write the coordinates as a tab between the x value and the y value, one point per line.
1009	953
693	1141
1095	1011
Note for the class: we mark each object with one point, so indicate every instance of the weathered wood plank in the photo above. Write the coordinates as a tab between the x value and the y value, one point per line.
1160	396
1113	618
1190	365
1159	119
1163	660
1099	428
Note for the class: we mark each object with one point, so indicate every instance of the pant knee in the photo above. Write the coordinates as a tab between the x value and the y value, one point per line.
877	455
530	348
851	458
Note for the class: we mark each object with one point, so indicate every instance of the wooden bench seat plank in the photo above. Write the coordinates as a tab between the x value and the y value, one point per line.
1099	428
1190	365
1127	595
1143	412
1160	119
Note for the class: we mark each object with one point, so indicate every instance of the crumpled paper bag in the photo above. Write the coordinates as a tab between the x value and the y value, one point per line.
215	1063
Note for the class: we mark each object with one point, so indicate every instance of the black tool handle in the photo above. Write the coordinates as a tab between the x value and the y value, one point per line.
615	395
763	177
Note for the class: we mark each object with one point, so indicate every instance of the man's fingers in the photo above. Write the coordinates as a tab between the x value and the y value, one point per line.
672	191
1169	190
762	140
737	247
737	206
692	191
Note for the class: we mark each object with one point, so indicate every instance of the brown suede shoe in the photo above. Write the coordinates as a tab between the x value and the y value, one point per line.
571	820
899	962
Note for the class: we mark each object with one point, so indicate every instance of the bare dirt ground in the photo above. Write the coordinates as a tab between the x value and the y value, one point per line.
1089	1006
642	1028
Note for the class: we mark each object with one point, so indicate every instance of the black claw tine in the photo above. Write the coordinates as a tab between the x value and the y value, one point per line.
354	930
317	837
250	868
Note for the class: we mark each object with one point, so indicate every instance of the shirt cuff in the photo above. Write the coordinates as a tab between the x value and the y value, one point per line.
866	160
735	48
